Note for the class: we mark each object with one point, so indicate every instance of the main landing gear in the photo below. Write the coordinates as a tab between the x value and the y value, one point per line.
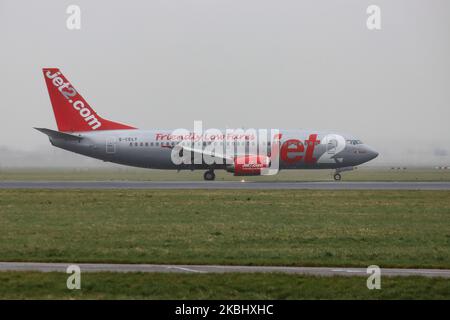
209	175
337	176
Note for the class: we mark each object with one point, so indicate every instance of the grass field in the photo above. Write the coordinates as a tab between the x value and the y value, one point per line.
124	173
34	285
304	228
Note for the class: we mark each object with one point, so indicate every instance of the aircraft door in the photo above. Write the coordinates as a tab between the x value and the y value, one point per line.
111	145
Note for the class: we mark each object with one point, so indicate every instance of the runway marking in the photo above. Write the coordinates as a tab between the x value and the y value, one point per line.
349	271
186	269
318	271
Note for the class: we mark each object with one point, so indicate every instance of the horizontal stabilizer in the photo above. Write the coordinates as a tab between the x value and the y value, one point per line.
59	135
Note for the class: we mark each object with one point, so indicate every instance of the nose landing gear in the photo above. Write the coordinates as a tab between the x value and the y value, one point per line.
209	175
337	174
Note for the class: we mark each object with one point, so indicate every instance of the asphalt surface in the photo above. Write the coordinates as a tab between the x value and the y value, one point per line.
331	185
319	271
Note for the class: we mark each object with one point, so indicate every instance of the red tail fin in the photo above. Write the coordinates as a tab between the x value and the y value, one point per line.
71	111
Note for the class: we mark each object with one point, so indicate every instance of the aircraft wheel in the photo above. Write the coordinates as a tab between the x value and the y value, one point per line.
337	177
209	175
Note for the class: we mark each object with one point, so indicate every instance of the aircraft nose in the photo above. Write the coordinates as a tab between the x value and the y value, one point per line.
371	153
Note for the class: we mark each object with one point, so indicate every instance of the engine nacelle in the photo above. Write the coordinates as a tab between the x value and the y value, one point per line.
250	165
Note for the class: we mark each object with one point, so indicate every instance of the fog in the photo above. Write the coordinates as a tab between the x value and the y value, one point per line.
248	63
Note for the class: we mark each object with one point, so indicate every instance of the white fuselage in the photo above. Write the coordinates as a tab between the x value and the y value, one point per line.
299	149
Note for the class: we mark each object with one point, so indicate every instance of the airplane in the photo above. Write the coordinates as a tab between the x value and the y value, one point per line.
83	131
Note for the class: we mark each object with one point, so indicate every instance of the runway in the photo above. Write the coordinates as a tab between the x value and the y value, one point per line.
263	185
317	271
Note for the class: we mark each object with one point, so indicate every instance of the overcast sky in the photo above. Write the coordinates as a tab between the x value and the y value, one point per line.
237	63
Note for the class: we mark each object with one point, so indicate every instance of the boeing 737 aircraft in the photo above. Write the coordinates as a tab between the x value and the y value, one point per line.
241	152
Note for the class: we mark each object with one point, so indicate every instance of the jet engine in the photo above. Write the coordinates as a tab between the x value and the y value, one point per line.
249	165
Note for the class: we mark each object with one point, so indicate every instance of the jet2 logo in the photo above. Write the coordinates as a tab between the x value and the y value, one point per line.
69	92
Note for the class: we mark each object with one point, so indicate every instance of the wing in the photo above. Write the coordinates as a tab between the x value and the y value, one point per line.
212	153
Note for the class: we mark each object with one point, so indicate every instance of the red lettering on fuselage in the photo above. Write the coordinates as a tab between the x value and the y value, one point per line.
296	146
291	146
311	144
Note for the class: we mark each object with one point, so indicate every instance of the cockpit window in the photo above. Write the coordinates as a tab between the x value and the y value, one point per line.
354	142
